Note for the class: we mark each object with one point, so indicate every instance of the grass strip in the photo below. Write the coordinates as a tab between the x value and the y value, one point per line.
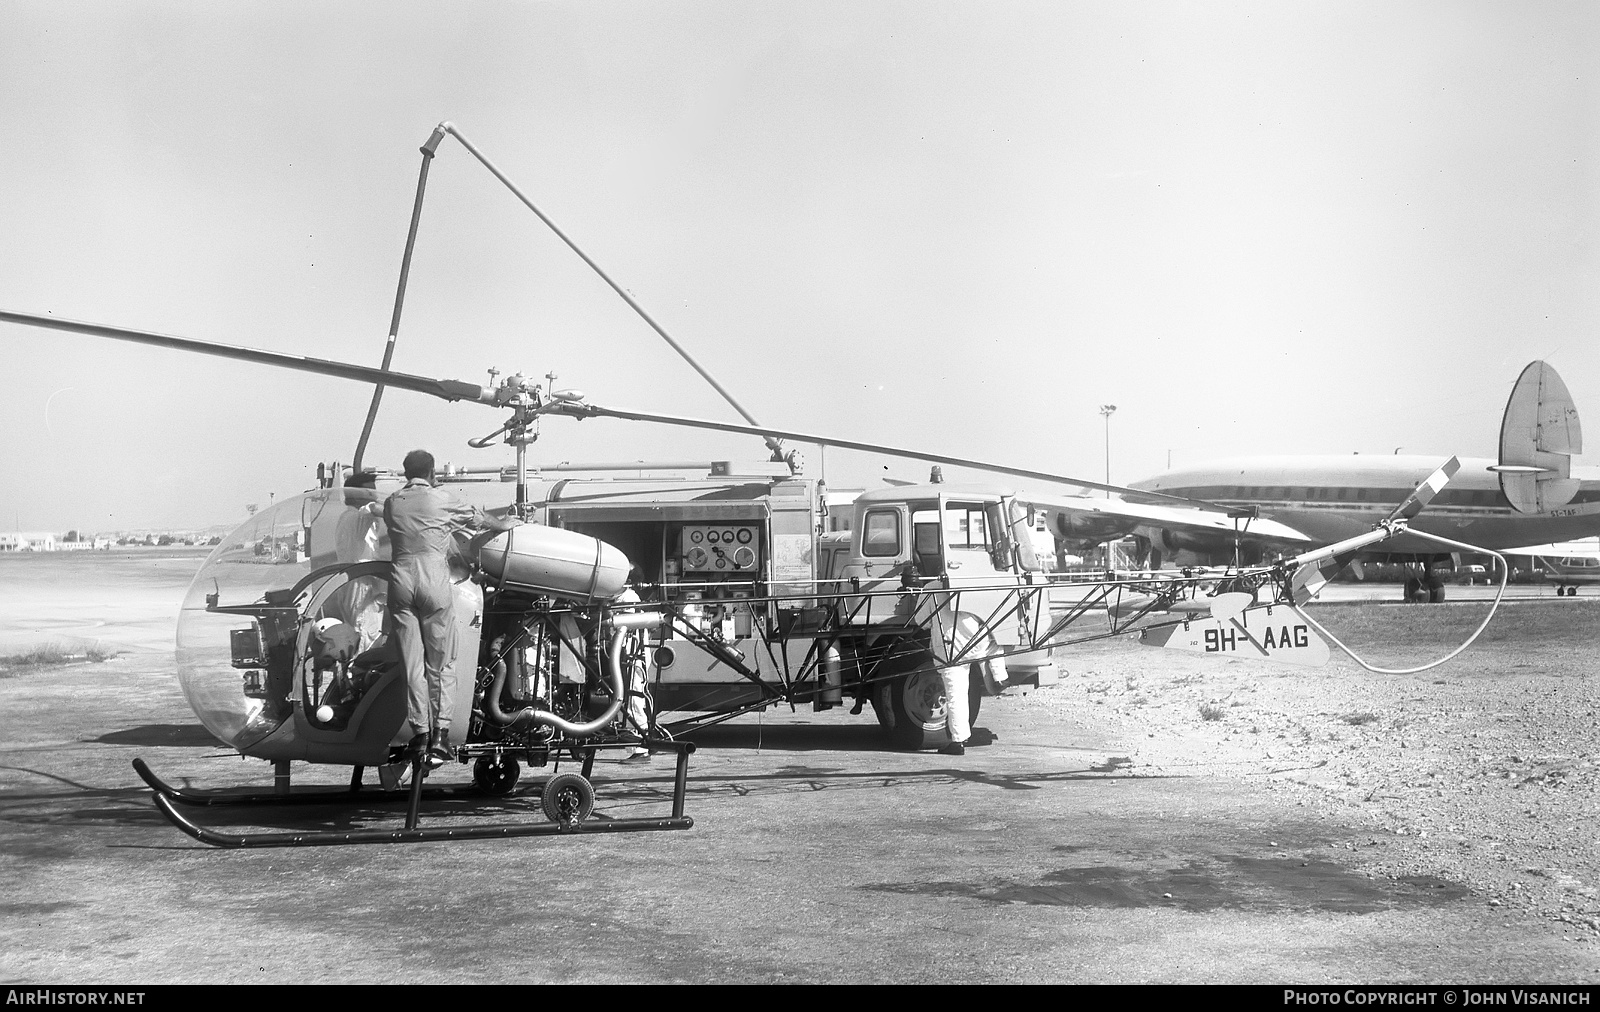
52	656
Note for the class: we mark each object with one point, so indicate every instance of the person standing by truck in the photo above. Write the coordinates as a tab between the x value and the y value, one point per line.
963	636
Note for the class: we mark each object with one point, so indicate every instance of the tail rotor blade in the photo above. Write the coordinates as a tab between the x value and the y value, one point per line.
1313	570
1309	580
1425	492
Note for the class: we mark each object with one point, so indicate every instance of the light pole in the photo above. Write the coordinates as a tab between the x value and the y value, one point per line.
1106	410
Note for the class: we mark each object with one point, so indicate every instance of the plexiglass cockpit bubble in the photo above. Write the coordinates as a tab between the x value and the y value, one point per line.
249	611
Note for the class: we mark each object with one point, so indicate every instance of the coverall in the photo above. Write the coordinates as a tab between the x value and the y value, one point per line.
421	520
962	634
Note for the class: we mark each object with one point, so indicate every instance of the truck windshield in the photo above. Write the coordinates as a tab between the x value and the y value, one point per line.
970	524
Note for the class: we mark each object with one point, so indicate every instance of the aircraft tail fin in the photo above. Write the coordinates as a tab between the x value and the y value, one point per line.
1538	436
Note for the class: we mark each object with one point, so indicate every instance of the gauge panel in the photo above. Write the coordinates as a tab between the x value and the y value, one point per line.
721	548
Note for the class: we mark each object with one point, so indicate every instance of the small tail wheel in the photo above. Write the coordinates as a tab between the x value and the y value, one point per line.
496	774
568	799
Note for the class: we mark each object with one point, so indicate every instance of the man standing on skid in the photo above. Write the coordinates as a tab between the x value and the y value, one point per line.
421	521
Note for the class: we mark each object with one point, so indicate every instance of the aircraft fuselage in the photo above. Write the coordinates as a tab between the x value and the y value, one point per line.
1329	498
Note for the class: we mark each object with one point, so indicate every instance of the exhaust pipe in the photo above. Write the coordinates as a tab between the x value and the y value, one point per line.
528	717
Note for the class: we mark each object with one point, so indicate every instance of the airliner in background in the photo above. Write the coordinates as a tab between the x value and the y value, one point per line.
1530	496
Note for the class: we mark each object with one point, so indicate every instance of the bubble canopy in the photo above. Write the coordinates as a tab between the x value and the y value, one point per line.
239	630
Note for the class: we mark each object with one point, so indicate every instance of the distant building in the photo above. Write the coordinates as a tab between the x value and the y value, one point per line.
28	541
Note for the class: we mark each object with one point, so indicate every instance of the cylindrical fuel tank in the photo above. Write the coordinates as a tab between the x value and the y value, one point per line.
555	561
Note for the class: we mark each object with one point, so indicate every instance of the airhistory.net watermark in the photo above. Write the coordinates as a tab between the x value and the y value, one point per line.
56	996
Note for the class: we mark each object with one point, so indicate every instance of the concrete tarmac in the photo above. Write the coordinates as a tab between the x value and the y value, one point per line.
818	855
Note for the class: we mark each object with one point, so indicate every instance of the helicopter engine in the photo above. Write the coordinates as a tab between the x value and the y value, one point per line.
546	667
535	682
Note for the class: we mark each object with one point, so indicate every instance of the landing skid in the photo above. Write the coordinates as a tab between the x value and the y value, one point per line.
570	812
316	796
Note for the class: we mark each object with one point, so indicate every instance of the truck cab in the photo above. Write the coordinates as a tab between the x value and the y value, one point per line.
955	561
968	538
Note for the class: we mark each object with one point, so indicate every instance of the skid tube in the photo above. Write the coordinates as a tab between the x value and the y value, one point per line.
164	801
314	796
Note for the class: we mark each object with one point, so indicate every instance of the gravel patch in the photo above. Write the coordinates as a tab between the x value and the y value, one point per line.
1481	772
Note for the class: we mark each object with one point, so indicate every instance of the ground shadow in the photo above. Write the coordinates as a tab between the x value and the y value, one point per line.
1202	884
167	735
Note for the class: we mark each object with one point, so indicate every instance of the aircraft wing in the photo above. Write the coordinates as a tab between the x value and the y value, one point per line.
1587	548
1091	520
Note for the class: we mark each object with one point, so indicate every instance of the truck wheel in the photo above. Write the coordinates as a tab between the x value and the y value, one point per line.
917	701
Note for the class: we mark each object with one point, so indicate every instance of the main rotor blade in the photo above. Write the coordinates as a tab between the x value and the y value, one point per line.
456	390
585	410
450	390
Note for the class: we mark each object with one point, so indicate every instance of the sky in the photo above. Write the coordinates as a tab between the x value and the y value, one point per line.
961	227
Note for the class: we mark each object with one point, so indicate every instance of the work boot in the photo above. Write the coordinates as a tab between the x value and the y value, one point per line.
953	748
439	748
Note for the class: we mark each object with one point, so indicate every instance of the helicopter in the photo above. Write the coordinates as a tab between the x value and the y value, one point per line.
707	598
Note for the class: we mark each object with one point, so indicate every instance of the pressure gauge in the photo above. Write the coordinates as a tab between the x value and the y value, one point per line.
744	535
